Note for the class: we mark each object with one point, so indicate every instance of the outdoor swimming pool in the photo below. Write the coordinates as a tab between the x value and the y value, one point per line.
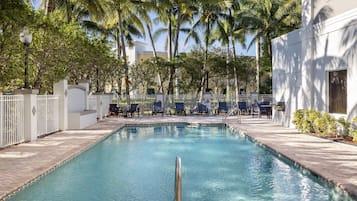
138	164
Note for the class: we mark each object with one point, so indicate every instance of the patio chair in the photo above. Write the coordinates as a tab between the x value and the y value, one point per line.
113	109
180	108
222	106
243	107
133	108
265	108
157	108
201	108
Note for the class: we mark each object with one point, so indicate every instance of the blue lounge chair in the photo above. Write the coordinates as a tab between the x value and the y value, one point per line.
265	108
133	108
222	106
202	108
180	108
157	108
243	106
113	109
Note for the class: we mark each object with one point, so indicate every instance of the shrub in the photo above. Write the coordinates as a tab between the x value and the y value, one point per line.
308	122
325	125
344	126
298	119
353	130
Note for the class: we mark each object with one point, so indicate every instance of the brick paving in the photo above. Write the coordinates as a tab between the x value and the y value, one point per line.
336	162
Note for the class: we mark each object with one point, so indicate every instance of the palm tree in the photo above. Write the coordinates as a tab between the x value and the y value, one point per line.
207	18
173	14
268	19
228	32
75	9
122	13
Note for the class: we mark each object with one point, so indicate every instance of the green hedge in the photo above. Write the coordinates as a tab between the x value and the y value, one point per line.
323	124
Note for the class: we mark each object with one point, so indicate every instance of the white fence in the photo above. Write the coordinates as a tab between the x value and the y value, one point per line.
92	102
100	103
106	100
11	120
47	114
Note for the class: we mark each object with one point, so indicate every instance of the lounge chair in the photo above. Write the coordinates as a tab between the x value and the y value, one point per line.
157	108
113	109
265	108
202	108
222	106
133	108
243	107
180	108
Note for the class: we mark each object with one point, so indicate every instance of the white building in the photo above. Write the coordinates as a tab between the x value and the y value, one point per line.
138	52
315	67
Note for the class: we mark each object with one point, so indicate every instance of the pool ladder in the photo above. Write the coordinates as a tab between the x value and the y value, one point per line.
178	183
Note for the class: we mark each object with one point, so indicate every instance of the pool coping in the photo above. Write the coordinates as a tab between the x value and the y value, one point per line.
59	163
350	190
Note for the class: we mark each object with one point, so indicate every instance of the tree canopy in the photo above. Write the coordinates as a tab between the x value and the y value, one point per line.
81	39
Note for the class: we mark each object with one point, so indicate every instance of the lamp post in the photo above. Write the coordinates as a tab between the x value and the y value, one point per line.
26	39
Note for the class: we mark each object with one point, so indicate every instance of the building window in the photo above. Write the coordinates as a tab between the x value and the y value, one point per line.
338	91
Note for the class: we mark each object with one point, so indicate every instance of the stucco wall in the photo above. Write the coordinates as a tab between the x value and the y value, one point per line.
303	58
325	9
76	99
286	74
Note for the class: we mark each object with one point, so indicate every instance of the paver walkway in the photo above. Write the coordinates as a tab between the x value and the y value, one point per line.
333	161
23	163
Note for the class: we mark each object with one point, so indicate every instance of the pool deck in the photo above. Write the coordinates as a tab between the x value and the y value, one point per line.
333	161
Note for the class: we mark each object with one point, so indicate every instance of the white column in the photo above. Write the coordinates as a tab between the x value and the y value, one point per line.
30	117
99	106
306	94
85	84
61	89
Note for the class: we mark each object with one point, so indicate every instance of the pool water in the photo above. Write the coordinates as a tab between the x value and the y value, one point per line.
138	164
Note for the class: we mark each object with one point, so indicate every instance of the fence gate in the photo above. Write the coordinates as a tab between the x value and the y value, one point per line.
11	120
47	114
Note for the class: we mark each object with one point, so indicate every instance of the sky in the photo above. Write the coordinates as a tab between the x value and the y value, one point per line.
161	40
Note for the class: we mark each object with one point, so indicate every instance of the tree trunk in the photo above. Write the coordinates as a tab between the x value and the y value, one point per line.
227	71
155	56
49	6
176	49
118	46
169	56
126	68
206	53
235	70
257	62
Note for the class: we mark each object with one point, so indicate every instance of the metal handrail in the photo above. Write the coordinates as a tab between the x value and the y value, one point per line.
234	111
178	183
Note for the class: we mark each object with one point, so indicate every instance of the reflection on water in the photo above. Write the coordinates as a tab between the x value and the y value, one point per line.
138	164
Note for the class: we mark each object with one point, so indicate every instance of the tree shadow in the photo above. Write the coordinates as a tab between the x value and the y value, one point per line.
349	41
291	52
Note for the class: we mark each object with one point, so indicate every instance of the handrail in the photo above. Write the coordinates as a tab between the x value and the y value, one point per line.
234	111
178	183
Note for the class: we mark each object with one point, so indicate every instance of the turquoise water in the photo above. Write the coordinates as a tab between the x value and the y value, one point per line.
138	164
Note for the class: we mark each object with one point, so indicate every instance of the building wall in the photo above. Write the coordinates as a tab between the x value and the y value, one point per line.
332	8
286	74
303	58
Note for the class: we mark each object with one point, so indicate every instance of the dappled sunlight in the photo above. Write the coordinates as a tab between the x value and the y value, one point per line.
41	143
17	154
